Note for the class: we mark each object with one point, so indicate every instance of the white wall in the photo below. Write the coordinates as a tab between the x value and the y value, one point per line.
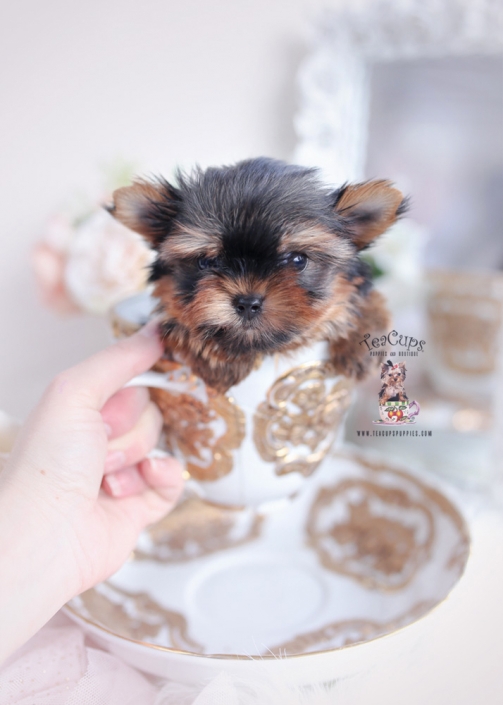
82	83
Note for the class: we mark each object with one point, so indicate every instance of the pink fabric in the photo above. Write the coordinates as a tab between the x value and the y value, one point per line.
59	667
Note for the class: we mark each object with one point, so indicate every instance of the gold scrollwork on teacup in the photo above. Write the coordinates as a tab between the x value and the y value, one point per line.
135	615
376	534
195	529
205	432
296	425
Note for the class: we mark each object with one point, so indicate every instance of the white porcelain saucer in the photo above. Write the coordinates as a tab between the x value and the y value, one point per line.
364	552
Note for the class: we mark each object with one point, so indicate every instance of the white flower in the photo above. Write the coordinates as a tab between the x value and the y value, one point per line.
106	262
399	254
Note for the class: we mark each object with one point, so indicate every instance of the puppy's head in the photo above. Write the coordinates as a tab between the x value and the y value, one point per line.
393	375
253	256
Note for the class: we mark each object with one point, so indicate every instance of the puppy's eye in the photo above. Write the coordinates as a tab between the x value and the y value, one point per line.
299	261
207	262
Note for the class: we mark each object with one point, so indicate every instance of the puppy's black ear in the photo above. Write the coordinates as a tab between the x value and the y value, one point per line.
147	207
384	369
369	209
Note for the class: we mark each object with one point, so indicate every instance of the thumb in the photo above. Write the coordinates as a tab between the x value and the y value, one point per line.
66	430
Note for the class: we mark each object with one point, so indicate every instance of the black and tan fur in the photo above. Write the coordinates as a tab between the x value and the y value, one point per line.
243	233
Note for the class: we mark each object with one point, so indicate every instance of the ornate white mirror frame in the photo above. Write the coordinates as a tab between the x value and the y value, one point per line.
334	79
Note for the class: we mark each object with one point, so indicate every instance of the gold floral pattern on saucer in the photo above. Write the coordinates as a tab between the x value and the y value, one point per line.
366	550
381	529
195	529
136	615
380	535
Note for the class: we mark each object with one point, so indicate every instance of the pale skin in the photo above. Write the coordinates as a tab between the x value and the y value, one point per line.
78	487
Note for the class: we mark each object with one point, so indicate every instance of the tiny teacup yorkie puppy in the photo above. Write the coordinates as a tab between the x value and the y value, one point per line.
260	258
393	377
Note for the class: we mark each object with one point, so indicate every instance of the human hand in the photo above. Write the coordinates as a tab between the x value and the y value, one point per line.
78	487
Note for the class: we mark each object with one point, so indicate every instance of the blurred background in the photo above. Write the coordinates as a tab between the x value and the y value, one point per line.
87	85
95	92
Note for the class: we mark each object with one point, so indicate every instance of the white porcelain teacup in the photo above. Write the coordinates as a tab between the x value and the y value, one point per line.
260	441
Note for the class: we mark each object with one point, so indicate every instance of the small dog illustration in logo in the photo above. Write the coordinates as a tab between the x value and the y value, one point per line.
393	377
394	405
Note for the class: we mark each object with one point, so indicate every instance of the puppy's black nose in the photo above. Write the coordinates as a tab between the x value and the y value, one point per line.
248	306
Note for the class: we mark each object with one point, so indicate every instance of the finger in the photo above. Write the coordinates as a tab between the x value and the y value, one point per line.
128	515
124	483
163	474
133	446
123	410
96	379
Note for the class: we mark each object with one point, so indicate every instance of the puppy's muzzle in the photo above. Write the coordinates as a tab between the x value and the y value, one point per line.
248	307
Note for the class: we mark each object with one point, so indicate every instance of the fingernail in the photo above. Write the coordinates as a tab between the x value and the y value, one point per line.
163	471
158	467
158	453
108	430
115	460
113	485
124	483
